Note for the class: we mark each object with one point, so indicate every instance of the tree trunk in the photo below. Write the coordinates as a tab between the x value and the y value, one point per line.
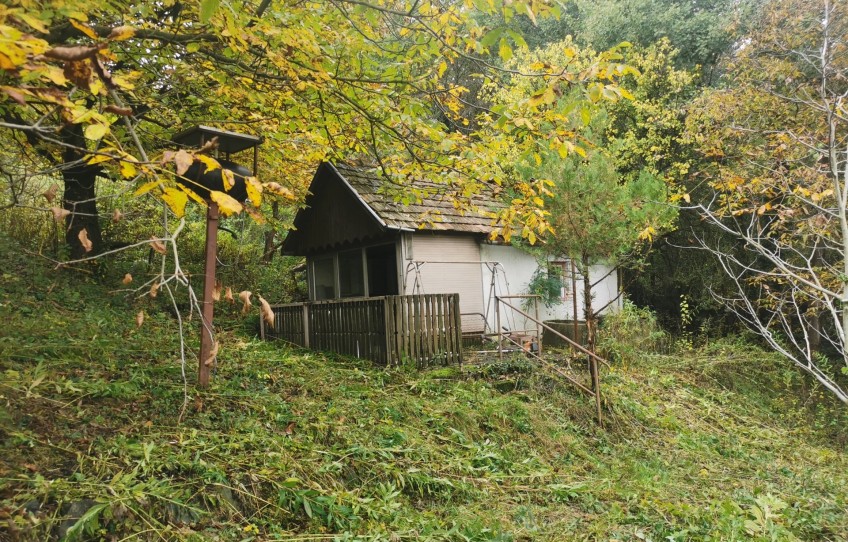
270	234
80	197
588	311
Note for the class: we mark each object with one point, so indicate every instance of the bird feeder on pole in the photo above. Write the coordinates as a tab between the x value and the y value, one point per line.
202	182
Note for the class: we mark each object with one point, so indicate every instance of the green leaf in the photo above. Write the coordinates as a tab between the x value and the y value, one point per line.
504	50
89	517
208	9
96	131
491	37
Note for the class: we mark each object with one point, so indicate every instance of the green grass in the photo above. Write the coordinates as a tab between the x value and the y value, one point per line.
717	444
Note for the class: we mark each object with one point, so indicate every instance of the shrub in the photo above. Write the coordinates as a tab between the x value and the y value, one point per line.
630	333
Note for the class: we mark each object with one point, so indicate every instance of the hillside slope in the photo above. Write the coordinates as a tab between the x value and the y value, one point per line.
291	445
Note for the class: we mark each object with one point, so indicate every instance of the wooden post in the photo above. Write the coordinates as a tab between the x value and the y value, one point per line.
207	335
574	301
596	388
538	328
306	325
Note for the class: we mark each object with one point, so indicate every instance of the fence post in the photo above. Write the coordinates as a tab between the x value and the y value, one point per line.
305	325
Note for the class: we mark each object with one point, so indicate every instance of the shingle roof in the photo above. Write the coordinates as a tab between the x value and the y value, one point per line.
436	211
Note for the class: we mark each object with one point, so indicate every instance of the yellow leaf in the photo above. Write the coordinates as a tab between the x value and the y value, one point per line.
686	198
32	21
192	194
95	86
123	81
254	190
127	279
226	203
176	200
443	67
139	318
99	158
128	170
84	28
146	187
96	131
121	33
210	163
647	233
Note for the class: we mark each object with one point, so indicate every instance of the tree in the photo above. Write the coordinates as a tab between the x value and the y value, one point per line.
597	213
95	90
777	136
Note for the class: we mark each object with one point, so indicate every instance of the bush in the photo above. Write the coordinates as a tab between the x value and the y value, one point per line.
630	333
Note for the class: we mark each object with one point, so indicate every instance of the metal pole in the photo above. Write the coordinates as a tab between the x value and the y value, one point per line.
207	337
498	323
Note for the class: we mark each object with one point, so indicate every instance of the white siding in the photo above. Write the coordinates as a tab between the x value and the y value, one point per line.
443	264
512	276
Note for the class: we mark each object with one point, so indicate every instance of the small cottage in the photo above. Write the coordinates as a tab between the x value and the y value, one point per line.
358	243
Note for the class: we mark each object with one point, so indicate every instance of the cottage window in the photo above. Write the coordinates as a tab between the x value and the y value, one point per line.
324	278
351	274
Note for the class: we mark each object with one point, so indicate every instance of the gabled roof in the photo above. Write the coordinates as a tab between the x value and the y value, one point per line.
347	205
436	210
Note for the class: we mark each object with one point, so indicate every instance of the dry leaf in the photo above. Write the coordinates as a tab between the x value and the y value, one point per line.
210	359
59	214
183	160
50	193
15	94
216	291
209	145
154	289
139	318
79	52
158	246
117	215
280	190
84	240
245	299
290	428
266	311
127	279
123	111
228	295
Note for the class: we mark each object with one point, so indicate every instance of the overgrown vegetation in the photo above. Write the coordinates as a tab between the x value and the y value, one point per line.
285	443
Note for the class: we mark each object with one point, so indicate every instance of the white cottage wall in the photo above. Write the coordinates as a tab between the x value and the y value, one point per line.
443	264
513	275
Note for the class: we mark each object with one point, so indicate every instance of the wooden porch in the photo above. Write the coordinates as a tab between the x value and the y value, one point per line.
422	329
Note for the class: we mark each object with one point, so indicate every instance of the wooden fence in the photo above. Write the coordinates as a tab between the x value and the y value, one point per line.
422	329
